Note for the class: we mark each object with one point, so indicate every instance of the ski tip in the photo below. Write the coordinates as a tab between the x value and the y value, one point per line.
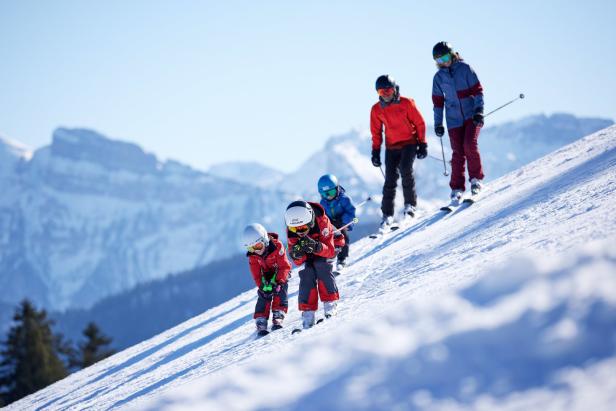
262	333
320	320
469	200
447	209
296	331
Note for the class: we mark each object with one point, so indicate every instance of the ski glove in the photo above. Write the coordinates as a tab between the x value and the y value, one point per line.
439	131
478	119
376	158
310	246
422	151
297	252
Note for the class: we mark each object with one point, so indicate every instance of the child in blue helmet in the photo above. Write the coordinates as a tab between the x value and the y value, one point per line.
340	210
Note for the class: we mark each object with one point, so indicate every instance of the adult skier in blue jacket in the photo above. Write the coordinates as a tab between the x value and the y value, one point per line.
456	90
340	210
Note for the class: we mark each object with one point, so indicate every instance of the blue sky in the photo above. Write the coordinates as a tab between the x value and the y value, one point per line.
205	82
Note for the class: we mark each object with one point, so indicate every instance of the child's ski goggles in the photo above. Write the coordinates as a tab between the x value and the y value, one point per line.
385	92
329	193
256	246
300	229
443	59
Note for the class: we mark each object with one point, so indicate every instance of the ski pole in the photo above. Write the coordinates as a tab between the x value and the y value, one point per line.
355	221
445	173
382	172
363	202
521	96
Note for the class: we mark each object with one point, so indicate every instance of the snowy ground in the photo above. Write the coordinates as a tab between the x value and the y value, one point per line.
507	304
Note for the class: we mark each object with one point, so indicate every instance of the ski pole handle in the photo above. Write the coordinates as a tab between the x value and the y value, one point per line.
355	221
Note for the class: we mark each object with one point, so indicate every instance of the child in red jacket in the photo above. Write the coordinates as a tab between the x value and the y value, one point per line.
270	269
311	243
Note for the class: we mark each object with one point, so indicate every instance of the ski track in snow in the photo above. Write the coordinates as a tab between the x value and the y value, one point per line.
551	207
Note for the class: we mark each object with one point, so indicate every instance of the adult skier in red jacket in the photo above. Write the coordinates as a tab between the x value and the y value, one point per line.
405	138
270	269
311	243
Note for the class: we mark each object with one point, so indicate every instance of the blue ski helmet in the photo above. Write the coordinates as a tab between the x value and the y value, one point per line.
328	186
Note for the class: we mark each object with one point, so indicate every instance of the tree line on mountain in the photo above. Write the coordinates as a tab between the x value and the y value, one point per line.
33	356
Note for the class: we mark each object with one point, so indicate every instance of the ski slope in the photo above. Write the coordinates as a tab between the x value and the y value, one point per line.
508	304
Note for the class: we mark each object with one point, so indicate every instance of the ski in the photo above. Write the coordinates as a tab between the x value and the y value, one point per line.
392	227
262	333
299	330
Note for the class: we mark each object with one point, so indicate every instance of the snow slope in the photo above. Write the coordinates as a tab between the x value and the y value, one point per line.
508	304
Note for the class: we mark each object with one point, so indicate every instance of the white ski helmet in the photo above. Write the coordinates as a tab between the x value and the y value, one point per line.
299	213
254	233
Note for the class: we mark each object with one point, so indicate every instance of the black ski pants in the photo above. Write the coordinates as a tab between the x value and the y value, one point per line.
399	162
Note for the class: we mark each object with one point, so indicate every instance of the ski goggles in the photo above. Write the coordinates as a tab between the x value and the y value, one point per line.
385	92
255	247
300	229
329	193
445	58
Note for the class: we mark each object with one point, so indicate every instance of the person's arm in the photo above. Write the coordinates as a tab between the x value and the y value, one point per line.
255	270
476	90
298	258
376	128
417	120
438	99
284	265
326	238
349	211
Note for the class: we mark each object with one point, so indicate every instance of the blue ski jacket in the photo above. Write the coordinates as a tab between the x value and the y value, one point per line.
457	90
340	209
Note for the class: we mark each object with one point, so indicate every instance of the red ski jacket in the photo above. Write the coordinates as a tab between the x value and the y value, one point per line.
323	232
403	124
273	262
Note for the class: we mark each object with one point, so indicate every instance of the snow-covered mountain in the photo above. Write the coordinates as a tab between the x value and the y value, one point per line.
260	175
508	304
87	217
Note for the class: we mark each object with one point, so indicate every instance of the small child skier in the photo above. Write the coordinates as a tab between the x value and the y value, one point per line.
341	212
270	269
311	243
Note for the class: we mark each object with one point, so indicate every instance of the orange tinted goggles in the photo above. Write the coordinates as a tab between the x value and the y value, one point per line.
385	92
255	247
300	229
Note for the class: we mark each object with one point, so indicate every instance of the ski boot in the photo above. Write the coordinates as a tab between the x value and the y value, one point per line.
456	197
386	223
340	266
308	319
330	308
261	324
277	317
476	186
409	211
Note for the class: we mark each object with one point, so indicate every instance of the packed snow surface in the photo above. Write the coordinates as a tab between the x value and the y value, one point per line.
508	304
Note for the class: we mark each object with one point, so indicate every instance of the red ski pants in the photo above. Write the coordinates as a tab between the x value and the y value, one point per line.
464	144
316	281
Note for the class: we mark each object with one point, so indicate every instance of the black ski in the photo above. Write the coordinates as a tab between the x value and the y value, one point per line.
299	330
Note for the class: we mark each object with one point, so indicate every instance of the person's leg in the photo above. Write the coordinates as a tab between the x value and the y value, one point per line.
471	150
307	297
328	290
407	158
262	311
280	305
344	252
458	160
392	159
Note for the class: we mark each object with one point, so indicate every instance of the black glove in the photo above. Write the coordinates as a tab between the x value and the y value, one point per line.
422	151
376	158
266	295
478	119
439	131
310	245
297	252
